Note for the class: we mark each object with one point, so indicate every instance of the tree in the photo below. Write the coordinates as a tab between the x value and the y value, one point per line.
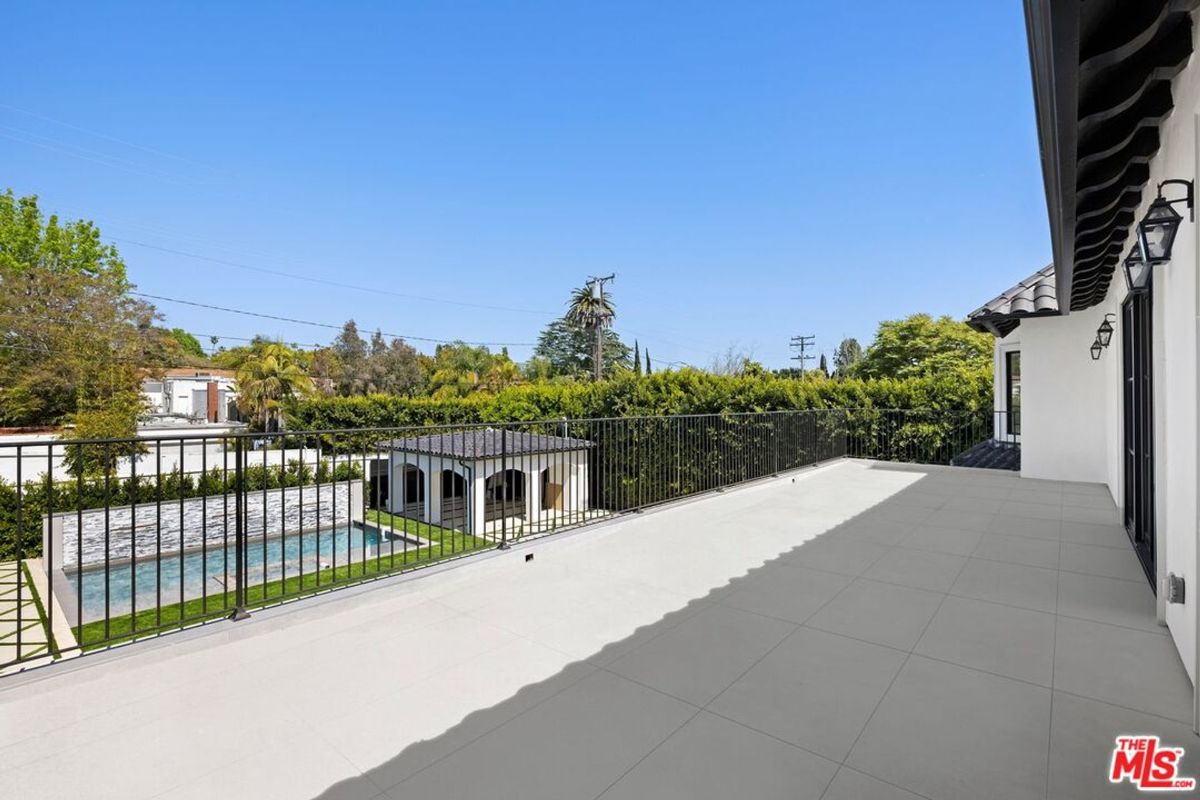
69	329
393	367
460	369
189	345
272	377
637	358
824	366
647	360
569	350
921	345
113	416
735	361
324	369
591	310
849	352
351	352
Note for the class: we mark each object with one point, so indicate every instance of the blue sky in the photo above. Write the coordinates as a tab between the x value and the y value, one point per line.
749	171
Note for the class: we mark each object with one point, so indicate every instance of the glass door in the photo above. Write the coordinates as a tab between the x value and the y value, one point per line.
1139	429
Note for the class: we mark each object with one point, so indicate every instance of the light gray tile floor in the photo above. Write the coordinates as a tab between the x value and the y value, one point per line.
862	633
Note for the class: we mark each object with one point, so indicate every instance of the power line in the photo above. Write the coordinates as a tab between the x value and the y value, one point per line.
376	290
803	344
100	135
297	321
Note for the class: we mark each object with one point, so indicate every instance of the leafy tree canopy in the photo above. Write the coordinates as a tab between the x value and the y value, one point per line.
849	352
460	369
273	376
188	345
921	345
71	333
567	350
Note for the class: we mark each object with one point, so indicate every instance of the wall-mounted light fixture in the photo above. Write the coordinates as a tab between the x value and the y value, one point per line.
1105	331
1137	271
1097	349
1156	232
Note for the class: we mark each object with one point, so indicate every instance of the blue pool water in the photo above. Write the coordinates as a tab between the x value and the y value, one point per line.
213	572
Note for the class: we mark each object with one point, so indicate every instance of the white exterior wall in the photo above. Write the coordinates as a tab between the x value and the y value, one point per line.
1175	309
1064	429
568	468
1072	416
177	395
1003	347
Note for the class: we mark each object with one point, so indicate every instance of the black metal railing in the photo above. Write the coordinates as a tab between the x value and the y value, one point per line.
105	541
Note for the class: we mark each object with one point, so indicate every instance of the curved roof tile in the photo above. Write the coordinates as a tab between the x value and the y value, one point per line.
1035	296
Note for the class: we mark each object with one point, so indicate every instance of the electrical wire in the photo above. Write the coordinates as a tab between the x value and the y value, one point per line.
297	321
375	290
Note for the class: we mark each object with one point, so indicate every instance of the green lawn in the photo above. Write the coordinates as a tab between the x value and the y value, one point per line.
441	543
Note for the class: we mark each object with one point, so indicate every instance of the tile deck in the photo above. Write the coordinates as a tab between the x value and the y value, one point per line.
861	631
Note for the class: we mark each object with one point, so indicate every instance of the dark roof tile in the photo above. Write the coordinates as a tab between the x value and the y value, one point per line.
1033	297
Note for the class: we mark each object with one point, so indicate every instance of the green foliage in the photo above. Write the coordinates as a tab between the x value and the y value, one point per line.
686	391
460	370
920	346
272	377
114	417
849	352
189	345
567	350
69	329
592	311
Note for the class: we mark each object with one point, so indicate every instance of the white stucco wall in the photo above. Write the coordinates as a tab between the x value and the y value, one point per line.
1064	430
1003	346
568	468
1175	378
1073	408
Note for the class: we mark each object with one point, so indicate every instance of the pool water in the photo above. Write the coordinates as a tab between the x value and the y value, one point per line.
212	572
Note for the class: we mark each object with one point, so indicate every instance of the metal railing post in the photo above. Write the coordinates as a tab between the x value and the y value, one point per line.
239	538
504	545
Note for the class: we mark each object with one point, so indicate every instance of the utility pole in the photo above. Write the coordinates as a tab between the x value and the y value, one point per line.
803	344
600	320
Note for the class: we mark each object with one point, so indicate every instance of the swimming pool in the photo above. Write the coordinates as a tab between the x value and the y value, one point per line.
197	573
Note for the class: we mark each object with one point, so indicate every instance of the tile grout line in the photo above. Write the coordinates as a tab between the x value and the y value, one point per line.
705	708
892	682
1053	671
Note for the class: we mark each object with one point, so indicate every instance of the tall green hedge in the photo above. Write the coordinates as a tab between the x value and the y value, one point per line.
678	392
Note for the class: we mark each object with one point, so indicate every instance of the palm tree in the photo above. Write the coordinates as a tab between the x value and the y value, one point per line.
593	311
266	381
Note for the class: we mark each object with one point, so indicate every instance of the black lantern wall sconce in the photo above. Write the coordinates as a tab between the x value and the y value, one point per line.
1137	271
1156	232
1104	333
1096	349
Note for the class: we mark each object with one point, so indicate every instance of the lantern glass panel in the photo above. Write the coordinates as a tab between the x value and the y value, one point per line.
1137	272
1156	233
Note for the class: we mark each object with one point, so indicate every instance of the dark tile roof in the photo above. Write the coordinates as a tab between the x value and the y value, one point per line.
485	443
1033	297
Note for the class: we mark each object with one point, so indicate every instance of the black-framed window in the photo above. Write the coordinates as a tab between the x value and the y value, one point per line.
1012	391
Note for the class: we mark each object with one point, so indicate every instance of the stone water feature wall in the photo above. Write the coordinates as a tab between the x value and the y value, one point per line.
197	519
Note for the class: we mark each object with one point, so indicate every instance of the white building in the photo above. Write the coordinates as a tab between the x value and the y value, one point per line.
195	394
1118	110
486	481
